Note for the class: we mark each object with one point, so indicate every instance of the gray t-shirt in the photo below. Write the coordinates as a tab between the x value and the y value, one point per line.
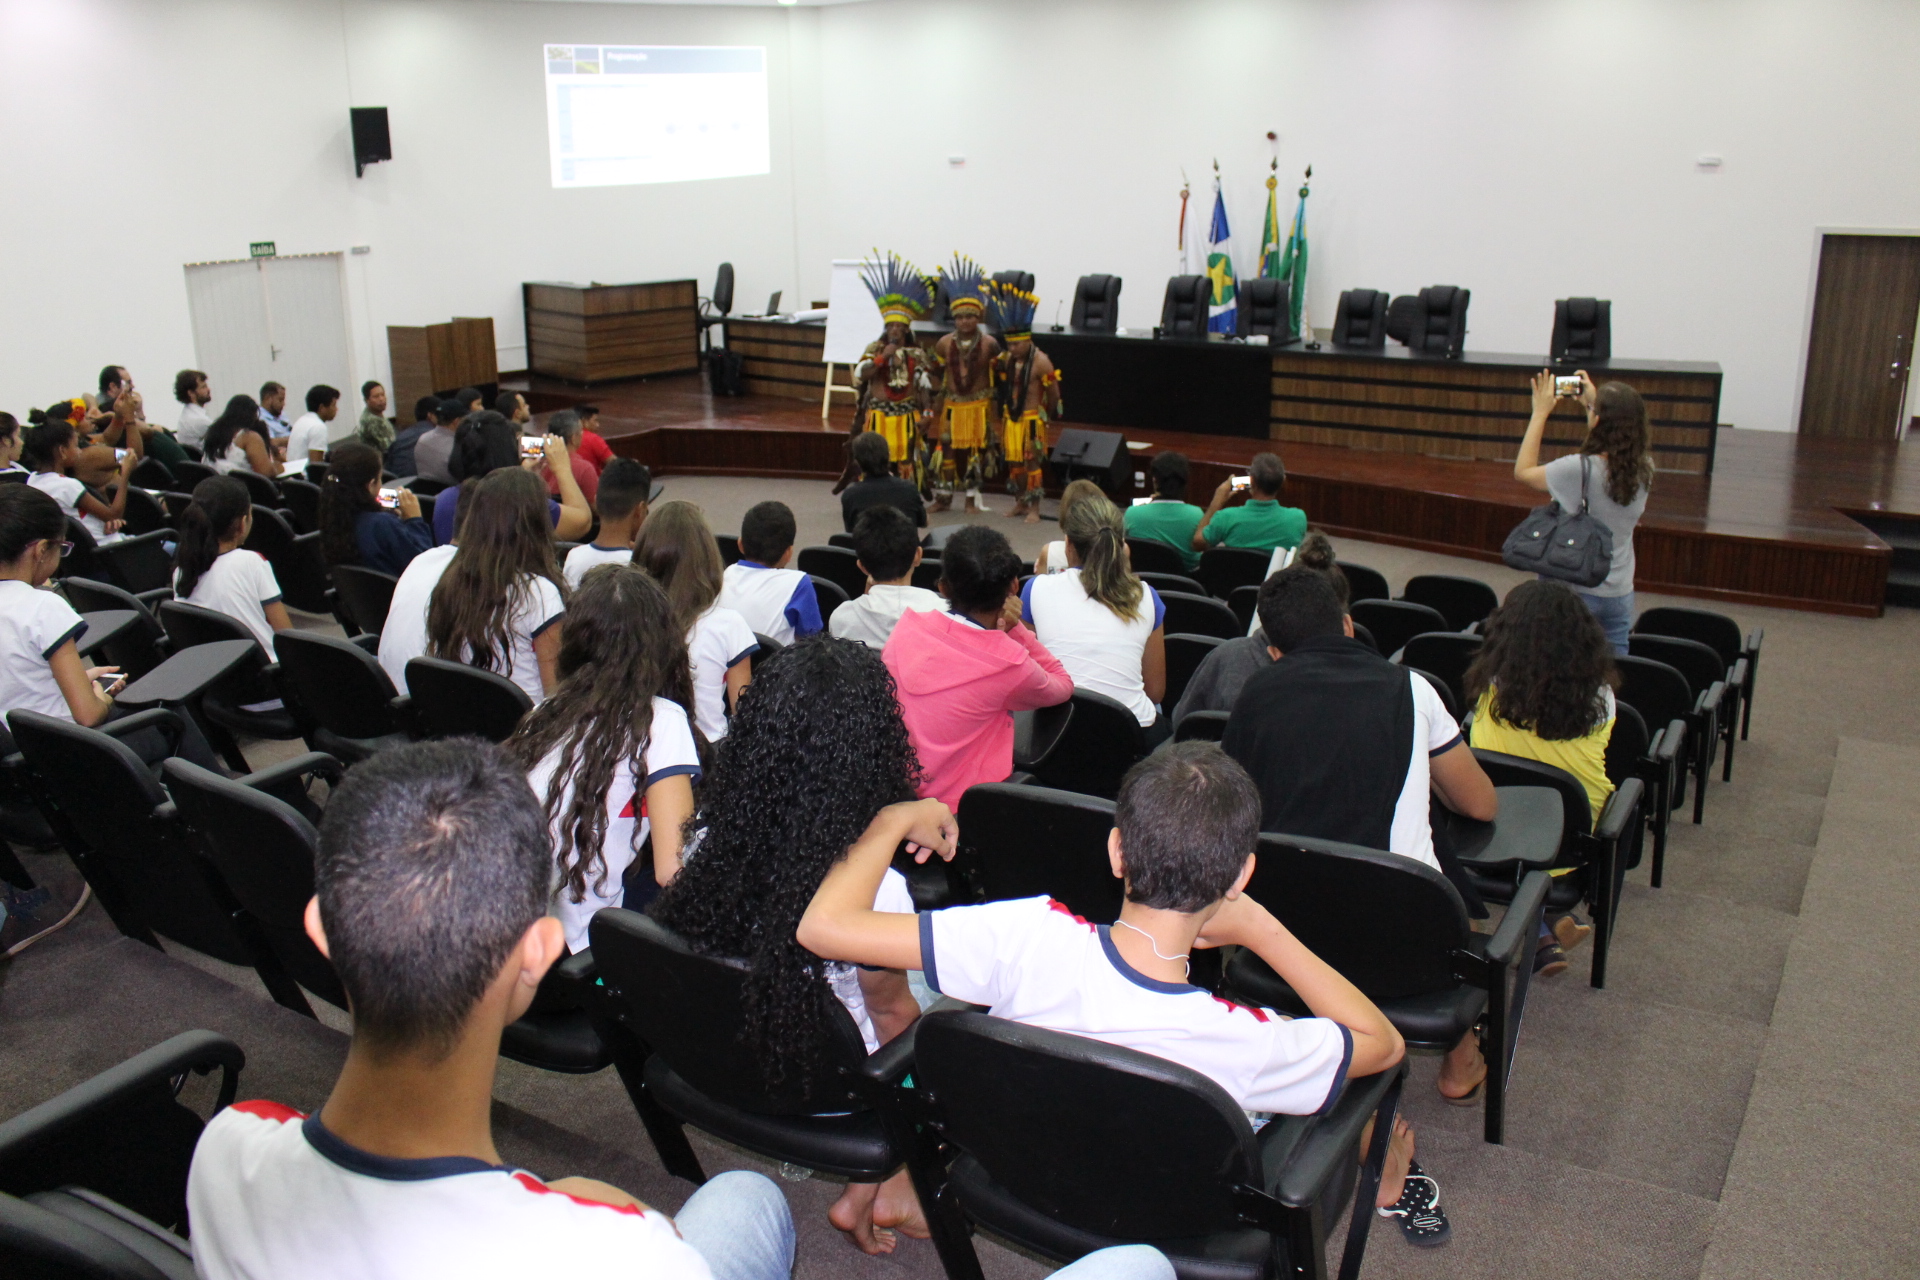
1563	486
430	454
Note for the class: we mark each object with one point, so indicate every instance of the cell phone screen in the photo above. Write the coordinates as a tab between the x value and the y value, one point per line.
1240	483
389	498
532	446
1564	386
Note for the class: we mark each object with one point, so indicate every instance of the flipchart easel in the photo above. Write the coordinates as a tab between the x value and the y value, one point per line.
853	319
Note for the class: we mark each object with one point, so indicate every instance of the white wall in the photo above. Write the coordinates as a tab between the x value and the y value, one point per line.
1528	149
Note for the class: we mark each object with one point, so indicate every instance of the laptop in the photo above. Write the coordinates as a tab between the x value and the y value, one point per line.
773	303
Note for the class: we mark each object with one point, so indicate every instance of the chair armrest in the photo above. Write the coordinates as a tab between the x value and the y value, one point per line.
1504	770
1737	673
1709	702
316	762
1617	818
1754	637
404	715
1516	927
577	972
1326	1149
197	1051
368	640
1666	746
165	719
155	598
892	1062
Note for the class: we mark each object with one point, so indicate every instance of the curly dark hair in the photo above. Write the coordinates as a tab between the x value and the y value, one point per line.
343	496
1546	659
1618	432
817	748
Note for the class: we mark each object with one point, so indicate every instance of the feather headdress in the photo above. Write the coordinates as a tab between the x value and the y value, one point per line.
966	286
902	293
1010	310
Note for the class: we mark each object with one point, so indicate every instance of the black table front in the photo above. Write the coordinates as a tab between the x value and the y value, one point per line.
1208	386
189	673
103	625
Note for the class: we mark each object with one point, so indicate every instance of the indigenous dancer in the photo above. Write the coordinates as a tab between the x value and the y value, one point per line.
895	373
1027	390
963	361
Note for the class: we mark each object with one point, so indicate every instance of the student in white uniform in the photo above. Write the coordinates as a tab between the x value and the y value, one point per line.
51	450
888	547
776	601
1102	623
191	390
621	504
307	442
678	549
612	754
769	836
1185	827
433	882
211	568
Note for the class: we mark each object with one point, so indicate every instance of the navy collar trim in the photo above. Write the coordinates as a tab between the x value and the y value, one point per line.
388	1168
1133	975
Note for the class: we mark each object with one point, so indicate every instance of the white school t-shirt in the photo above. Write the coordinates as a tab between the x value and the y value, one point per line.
1100	650
309	434
718	639
240	584
1434	733
894	896
589	556
761	595
1055	554
669	752
273	1193
33	626
872	618
536	606
66	491
1033	961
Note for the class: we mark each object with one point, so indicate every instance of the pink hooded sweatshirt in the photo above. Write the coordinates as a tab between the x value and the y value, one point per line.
958	683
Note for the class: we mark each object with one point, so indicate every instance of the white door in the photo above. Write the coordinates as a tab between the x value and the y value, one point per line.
263	320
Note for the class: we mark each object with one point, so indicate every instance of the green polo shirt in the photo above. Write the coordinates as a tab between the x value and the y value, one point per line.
1169	521
1262	524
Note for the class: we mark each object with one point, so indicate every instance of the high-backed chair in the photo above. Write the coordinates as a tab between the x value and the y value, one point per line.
1096	304
1702	667
187	475
1364	583
138	650
1722	635
453	700
143	513
837	565
1150	555
1040	1161
1662	696
341	695
225	705
729	544
1582	331
1165	582
1183	314
715	309
1017	278
1398	931
1264	307
1440	325
1394	622
1461	601
1200	616
1245	603
1402	314
151	473
829	594
364	596
1224	568
302	498
142	564
261	491
1018	841
1101	742
1185	653
297	563
1444	655
1361	319
1654	758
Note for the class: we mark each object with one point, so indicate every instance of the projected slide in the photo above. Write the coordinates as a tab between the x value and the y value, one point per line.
624	114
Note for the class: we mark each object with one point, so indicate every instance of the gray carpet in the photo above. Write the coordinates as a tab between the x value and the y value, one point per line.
1738	1103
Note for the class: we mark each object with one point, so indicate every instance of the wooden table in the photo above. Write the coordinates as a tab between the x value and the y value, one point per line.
596	332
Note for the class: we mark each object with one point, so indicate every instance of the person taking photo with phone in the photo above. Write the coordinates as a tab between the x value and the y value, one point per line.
1261	523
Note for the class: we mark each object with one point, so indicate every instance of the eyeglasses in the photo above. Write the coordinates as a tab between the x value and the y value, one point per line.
66	549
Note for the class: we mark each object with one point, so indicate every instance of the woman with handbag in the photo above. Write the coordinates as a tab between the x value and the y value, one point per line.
1608	479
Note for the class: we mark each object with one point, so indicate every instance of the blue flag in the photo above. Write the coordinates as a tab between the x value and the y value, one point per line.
1222	311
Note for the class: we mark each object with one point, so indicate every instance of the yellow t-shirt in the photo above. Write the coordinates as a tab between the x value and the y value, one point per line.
1585	758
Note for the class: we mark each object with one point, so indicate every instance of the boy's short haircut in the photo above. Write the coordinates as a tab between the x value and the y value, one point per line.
423	408
978	566
624	485
870	454
1170	474
366	388
1188	817
1299	603
766	532
587	412
1267	474
434	860
885	541
319	396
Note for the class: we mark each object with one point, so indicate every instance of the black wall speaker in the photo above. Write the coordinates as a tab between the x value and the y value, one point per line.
1099	456
370	140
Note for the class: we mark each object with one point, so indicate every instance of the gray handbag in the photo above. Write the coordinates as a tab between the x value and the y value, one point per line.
1572	546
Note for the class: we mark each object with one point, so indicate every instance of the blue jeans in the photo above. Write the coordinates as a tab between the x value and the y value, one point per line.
1121	1262
740	1223
1616	617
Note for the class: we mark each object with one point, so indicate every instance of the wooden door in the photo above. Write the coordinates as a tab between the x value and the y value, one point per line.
1864	308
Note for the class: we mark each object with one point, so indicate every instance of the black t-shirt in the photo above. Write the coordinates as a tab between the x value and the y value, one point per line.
883	491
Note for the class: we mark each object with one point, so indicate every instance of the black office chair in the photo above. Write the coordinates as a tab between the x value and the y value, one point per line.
1397	930
1245	603
151	473
261	491
340	694
828	594
837	565
1440	327
144	514
1165	582
1582	331
714	310
1662	696
1392	623
188	474
1022	280
1361	319
1365	637
224	706
1265	307
93	1182
136	651
302	498
364	596
1200	616
1364	583
841	540
297	563
1462	601
729	547
1403	315
141	564
1185	653
1202	726
1040	1162
453	700
1096	304
1444	655
1019	841
1224	568
1722	635
1654	759
1150	555
1183	313
1703	668
1101	742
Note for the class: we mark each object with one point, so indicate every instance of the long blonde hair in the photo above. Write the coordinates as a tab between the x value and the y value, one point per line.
1093	527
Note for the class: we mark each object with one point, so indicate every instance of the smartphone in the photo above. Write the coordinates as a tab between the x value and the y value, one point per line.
119	683
1567	387
1240	483
119	455
389	498
533	446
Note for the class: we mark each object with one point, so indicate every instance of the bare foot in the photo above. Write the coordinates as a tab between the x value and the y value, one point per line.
853	1214
975	508
898	1207
1393	1173
1463	1070
1033	514
941	504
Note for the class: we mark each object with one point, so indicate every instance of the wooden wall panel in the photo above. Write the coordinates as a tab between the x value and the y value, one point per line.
602	332
784	359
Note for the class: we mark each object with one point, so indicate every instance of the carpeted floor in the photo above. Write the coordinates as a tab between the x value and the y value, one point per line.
1739	1103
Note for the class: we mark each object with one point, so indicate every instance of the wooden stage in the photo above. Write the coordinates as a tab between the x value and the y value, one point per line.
1769	526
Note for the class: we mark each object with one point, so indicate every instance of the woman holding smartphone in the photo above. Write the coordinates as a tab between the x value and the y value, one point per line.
359	523
1611	473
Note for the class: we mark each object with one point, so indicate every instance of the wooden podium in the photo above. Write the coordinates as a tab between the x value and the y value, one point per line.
598	332
440	358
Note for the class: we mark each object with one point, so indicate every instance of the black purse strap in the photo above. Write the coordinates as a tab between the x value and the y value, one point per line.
1584	460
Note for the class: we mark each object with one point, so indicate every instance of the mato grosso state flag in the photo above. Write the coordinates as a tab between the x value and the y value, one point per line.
1292	265
1223	306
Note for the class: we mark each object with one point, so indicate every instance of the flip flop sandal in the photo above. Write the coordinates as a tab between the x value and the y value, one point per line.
1550	961
1422	1221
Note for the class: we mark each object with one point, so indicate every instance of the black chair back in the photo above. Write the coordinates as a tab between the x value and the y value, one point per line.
261	491
1394	622
692	1010
1658	692
1096	304
829	594
296	559
723	289
1446	655
1017	841
340	688
1403	316
1440	325
151	473
1200	616
729	544
837	565
1462	601
1224	568
1101	742
1245	603
264	850
365	595
1582	331
454	700
1364	583
143	513
1202	726
1265	307
191	624
1036	1109
1185	653
1697	662
188	474
1441	688
1715	630
1150	555
136	651
1165	582
841	540
302	497
1627	745
1365	637
1183	314
1018	279
768	646
1361	319
140	564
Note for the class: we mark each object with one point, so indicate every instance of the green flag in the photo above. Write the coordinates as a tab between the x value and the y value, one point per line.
1293	259
1270	234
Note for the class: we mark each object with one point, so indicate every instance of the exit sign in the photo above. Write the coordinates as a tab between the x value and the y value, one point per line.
261	249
